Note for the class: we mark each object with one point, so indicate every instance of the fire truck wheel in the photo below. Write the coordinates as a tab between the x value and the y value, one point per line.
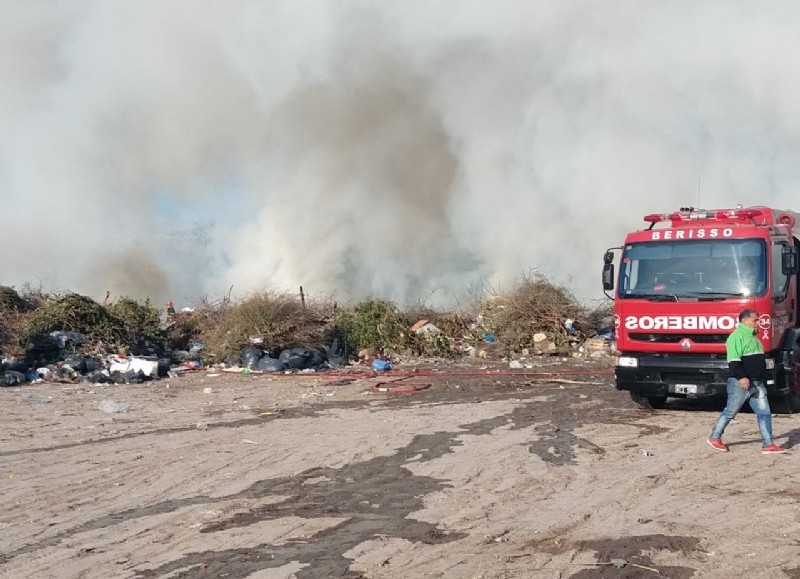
648	402
786	404
790	403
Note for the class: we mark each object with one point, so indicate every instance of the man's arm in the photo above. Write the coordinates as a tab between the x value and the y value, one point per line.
734	354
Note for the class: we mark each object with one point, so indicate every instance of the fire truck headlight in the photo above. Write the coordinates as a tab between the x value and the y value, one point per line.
628	362
770	363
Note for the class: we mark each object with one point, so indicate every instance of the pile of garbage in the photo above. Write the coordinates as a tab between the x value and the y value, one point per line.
72	366
73	338
479	341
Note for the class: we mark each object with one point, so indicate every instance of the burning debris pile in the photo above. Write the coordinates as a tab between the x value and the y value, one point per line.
71	338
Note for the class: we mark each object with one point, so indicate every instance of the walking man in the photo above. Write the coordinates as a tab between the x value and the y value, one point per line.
747	381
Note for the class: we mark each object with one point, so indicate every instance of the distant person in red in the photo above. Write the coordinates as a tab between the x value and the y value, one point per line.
170	311
747	381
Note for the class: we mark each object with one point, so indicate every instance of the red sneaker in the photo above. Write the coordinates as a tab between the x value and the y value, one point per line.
717	444
772	449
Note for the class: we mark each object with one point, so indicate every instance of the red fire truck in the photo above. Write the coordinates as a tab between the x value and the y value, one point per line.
681	284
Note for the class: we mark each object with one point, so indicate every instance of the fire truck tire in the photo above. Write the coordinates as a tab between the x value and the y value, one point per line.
648	402
790	403
786	404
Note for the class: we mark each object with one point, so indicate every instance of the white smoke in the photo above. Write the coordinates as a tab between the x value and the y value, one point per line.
395	149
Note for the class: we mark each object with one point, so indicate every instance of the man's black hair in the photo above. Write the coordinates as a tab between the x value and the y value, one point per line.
747	313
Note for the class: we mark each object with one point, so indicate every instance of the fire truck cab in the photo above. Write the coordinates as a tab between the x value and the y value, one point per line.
680	286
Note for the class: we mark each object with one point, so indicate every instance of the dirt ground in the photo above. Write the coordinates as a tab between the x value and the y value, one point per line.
547	472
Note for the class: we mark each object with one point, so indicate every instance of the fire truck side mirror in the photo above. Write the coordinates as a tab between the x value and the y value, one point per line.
608	276
790	264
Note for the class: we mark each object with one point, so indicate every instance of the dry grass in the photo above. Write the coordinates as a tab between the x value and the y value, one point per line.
536	305
11	328
278	320
16	309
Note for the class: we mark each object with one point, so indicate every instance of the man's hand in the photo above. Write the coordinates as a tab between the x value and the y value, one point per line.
744	383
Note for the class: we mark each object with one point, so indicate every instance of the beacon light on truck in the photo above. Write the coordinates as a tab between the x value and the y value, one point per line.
691	214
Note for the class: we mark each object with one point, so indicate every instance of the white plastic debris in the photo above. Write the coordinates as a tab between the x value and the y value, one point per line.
147	366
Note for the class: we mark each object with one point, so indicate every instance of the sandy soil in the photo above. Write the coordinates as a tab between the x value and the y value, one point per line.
479	475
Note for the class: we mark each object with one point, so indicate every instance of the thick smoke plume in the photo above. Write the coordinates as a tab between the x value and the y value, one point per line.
396	149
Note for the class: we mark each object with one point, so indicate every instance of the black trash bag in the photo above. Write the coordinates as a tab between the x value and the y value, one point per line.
296	358
13	378
250	357
90	365
20	367
129	377
269	364
97	377
318	358
82	364
164	364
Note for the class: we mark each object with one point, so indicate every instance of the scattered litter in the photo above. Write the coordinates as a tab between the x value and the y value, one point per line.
201	426
247	441
644	452
405	388
113	407
32	398
516	365
208	391
212	375
619	564
240	370
341	382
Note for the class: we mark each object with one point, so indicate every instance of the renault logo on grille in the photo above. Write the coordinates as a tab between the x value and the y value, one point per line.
686	344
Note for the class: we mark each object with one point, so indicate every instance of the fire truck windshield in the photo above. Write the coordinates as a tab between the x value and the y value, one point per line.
700	269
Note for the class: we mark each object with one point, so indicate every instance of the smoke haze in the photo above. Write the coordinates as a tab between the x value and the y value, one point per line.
396	149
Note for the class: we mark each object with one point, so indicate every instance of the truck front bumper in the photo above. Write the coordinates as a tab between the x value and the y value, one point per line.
678	376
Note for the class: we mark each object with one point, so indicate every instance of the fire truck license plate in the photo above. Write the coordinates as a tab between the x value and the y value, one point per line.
686	388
